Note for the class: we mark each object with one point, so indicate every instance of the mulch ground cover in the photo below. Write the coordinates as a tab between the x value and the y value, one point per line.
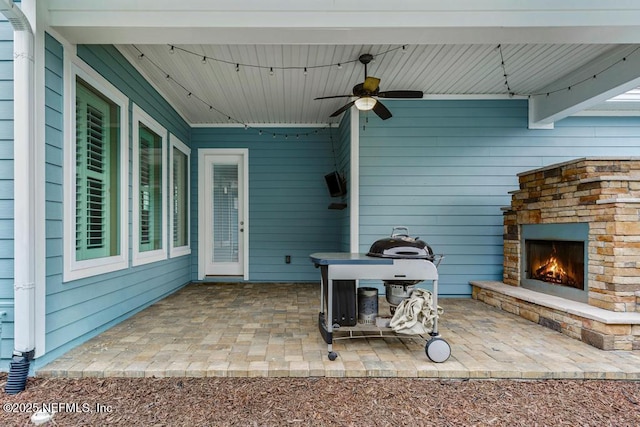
323	402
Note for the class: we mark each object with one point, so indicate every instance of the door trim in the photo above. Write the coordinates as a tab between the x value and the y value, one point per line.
203	154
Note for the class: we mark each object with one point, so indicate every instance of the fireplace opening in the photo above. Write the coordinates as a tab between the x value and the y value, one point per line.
554	259
555	262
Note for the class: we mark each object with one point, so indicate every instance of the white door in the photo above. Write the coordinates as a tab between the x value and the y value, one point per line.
223	199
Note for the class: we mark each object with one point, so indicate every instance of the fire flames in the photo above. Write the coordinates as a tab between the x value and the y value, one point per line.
552	271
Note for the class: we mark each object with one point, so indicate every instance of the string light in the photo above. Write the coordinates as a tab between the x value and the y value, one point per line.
498	48
504	72
230	119
564	88
204	60
173	48
402	49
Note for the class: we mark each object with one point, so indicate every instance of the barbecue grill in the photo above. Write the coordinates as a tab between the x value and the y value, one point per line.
400	246
400	262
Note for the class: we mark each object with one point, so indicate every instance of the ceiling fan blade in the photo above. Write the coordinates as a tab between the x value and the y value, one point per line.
381	111
401	94
334	96
371	84
343	109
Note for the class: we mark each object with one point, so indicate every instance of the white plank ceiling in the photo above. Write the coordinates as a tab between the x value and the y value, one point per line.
223	92
450	51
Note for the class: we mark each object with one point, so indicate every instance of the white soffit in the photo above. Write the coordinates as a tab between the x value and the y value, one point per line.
346	21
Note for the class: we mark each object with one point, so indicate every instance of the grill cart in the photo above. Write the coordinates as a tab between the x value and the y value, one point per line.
398	265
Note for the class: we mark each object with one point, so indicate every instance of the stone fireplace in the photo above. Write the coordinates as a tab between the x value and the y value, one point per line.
572	251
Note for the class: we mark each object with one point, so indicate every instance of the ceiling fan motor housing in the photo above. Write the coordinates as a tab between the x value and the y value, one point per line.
368	89
359	90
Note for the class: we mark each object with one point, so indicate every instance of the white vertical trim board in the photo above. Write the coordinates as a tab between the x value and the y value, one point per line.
354	191
40	289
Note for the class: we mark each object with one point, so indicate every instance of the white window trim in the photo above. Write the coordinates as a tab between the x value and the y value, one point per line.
73	269
176	251
146	257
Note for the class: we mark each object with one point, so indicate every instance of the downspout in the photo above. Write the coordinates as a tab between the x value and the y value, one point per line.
24	196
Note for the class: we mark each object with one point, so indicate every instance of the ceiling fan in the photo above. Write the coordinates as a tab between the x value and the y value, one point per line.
367	92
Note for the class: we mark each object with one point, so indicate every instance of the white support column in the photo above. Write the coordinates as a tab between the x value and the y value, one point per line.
354	190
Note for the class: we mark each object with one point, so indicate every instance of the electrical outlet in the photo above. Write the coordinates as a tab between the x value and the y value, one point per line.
287	259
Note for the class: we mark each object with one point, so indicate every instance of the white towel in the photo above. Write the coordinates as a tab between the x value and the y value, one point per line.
415	315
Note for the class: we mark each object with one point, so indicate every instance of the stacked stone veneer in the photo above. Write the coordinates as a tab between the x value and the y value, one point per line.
605	193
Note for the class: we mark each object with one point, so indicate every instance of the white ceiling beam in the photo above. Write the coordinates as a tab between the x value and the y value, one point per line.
135	34
346	21
615	72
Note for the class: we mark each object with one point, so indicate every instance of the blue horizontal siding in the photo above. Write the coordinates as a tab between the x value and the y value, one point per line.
444	169
288	199
6	190
78	310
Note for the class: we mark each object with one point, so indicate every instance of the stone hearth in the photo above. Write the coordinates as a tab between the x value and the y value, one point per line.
603	193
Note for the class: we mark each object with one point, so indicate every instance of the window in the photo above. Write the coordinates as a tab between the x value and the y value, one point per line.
179	198
96	174
149	189
95	152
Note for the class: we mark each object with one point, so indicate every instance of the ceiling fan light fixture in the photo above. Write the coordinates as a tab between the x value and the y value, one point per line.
365	103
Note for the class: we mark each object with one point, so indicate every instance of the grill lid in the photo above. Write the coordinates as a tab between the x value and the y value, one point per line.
401	246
